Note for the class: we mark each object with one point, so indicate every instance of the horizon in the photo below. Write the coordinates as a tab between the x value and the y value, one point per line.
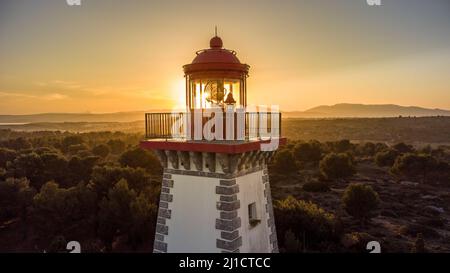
285	111
109	57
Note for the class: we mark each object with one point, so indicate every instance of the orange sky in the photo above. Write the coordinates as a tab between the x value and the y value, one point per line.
109	56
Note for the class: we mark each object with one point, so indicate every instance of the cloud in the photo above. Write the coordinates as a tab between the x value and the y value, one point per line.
51	96
55	96
15	94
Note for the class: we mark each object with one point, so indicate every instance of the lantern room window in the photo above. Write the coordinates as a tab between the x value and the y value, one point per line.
209	93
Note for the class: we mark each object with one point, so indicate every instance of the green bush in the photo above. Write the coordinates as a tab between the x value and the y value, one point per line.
413	166
308	152
403	148
138	157
335	166
284	162
310	223
386	158
360	201
101	150
315	186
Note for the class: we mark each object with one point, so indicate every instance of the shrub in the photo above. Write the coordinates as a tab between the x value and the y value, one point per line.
71	140
284	162
412	165
308	152
315	187
360	201
101	150
386	158
403	148
334	166
117	146
141	158
6	155
342	146
306	220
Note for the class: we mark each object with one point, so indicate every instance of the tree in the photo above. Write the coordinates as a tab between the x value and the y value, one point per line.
143	215
66	212
16	197
80	169
104	178
6	155
101	150
18	144
76	149
403	148
343	146
413	165
360	200
305	219
308	152
71	140
115	215
386	158
284	162
335	166
138	157
28	165
54	167
117	146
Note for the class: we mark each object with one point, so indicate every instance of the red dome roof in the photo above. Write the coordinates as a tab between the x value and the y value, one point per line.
216	61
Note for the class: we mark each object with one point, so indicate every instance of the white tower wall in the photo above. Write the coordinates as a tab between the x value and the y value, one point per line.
207	210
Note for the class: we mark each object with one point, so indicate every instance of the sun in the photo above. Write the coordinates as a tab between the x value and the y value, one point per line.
178	94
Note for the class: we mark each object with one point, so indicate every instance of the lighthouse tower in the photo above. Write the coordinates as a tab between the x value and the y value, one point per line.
215	194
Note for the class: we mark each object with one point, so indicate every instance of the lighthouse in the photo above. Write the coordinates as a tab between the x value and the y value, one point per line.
215	192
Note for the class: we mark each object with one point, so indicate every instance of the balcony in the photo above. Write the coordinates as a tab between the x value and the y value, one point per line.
228	126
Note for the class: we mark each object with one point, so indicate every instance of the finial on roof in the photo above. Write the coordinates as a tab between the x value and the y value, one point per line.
215	41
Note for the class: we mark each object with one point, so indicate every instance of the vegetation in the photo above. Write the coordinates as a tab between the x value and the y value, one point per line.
100	189
390	190
335	166
420	166
308	152
96	188
284	162
360	201
386	158
306	220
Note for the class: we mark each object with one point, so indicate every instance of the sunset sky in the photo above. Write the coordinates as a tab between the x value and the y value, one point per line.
111	55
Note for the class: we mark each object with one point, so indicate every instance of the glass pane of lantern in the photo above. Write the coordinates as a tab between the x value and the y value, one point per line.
214	93
197	95
236	91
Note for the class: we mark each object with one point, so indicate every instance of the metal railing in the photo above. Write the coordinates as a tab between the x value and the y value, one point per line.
240	126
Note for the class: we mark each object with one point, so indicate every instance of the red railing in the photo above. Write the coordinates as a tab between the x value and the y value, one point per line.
241	126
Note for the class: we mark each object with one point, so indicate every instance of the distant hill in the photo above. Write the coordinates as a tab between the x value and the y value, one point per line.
74	117
349	110
324	111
